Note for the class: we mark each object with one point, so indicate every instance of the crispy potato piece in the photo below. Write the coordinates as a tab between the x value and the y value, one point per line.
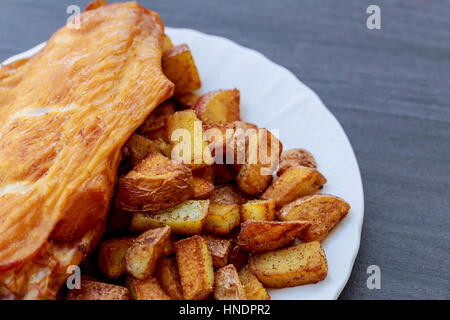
169	247
324	211
158	134
195	267
95	4
293	183
169	278
222	218
261	161
167	44
111	254
94	290
258	210
157	119
220	249
164	146
227	194
292	266
260	236
202	189
139	147
296	158
155	183
118	220
221	106
227	285
206	173
188	144
253	287
147	289
238	257
186	100
143	255
179	66
187	218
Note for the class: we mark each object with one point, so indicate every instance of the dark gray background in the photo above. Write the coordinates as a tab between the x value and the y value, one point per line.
389	88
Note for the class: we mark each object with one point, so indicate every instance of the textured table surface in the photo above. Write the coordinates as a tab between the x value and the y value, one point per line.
389	88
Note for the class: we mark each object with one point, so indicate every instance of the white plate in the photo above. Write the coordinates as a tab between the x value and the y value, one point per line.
272	97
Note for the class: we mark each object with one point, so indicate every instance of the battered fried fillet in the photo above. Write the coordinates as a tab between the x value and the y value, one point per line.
64	116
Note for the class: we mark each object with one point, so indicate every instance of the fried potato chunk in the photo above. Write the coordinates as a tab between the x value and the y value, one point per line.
238	257
296	158
138	147
187	218
227	194
260	236
94	290
261	161
222	218
167	44
324	211
202	189
258	210
155	183
143	255
221	107
187	138
220	249
157	119
111	254
179	66
186	100
293	183
147	289
253	287
195	267
169	247
227	285
292	266
169	278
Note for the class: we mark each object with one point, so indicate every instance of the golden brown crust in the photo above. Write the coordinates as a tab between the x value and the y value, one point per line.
94	290
227	285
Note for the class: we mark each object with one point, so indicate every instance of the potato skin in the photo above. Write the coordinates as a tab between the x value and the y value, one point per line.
292	266
202	189
155	183
295	182
147	289
227	194
296	158
324	211
179	66
260	236
195	267
227	285
238	257
186	218
111	254
142	256
94	290
220	249
253	287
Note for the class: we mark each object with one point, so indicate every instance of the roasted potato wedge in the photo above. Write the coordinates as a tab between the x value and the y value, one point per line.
169	247
157	119
164	146
187	139
261	161
221	106
222	218
147	289
138	147
258	210
227	285
179	66
260	236
202	189
155	183
186	100
324	211
111	254
143	255
295	182
227	194
238	257
292	266
220	249
169	278
296	158
167	44
187	218
253	287
94	290
195	267
206	173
